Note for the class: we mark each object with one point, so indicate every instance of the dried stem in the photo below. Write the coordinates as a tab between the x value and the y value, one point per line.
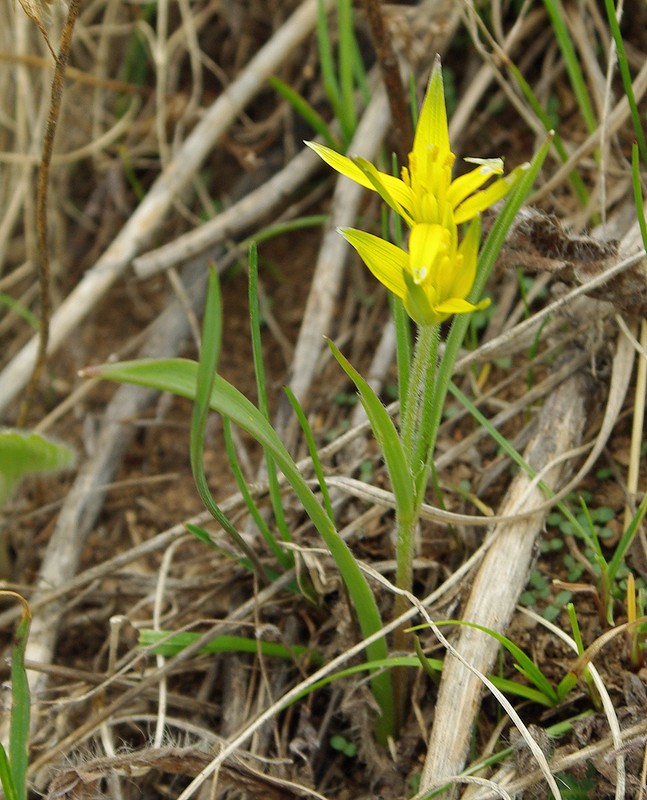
388	62
41	205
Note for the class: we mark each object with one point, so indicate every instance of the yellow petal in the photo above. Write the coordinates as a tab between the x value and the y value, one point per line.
341	164
386	261
432	123
427	243
457	306
481	200
393	191
468	254
465	185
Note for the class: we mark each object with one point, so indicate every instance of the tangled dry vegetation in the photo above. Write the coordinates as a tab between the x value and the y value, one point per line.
172	148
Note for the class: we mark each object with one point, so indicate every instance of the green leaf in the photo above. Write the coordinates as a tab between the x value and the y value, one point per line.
27	453
13	768
263	401
6	781
209	354
525	664
305	110
312	449
387	438
522	690
175	643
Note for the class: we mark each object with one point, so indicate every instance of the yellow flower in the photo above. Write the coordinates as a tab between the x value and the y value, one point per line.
425	192
434	277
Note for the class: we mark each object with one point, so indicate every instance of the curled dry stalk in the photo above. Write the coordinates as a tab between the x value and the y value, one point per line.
53	115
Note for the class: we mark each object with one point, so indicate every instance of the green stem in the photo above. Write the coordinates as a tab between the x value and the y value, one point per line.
415	438
437	402
416	411
419	390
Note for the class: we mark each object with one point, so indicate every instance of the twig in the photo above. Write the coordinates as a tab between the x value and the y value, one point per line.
395	91
58	82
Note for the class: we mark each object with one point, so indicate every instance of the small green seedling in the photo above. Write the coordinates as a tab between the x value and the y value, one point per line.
342	745
26	453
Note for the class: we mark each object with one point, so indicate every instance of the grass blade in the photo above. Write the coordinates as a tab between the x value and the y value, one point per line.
387	438
305	111
626	79
556	14
312	449
204	379
13	767
284	558
261	388
170	644
6	779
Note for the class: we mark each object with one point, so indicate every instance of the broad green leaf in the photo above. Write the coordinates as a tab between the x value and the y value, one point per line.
27	453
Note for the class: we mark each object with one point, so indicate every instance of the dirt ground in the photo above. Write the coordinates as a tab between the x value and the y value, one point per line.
101	551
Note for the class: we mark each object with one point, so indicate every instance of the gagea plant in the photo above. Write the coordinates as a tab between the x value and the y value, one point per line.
434	278
440	275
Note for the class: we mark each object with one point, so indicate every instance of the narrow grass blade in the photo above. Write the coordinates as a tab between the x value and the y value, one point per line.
204	379
525	665
638	197
312	449
19	308
391	662
574	177
387	438
328	74
626	79
168	644
261	388
626	539
556	14
516	458
6	779
283	228
284	558
307	113
346	59
513	203
13	766
522	690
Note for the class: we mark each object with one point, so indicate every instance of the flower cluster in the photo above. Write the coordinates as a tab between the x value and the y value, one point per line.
435	276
